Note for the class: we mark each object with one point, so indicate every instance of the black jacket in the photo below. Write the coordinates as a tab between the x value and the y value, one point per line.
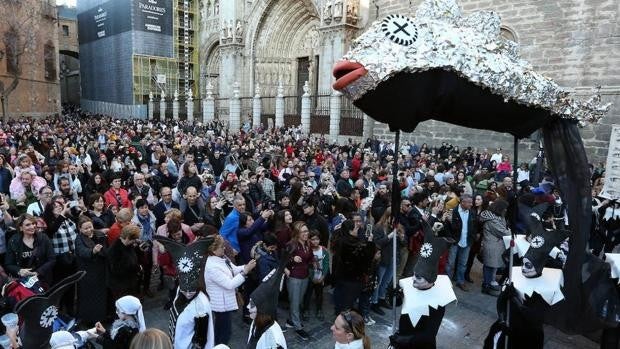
352	257
160	210
456	226
42	260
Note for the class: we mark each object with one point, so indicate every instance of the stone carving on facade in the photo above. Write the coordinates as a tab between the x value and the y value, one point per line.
176	95
337	10
236	88
209	89
239	32
223	34
229	30
216	8
306	88
327	12
163	95
150	96
352	17
257	90
190	95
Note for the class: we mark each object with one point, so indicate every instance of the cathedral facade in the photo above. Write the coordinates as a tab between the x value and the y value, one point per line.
266	44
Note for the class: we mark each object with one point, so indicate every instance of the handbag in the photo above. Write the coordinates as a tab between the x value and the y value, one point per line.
238	295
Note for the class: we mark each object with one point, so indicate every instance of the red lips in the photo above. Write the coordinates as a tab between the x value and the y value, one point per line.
346	72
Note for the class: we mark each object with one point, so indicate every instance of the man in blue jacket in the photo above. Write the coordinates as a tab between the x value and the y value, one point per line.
231	223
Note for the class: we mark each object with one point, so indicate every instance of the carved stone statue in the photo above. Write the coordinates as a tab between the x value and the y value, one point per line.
216	8
229	34
223	35
163	95
306	88
150	96
327	12
337	9
239	31
257	90
352	14
190	94
176	95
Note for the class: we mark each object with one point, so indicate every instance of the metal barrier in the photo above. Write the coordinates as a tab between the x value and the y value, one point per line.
319	117
351	119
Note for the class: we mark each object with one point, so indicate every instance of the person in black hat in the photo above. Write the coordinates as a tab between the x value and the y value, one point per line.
418	327
191	320
265	332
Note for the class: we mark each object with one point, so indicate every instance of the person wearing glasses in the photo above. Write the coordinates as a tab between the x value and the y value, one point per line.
45	197
349	331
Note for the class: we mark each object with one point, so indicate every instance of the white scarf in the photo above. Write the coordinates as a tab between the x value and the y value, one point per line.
118	324
356	344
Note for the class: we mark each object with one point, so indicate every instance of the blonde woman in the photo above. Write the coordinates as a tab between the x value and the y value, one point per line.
151	338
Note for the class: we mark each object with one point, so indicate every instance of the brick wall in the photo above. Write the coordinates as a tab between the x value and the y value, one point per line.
34	95
574	42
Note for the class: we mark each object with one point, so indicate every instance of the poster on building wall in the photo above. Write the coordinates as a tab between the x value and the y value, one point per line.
153	16
104	20
611	188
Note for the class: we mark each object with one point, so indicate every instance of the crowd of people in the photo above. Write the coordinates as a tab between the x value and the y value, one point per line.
91	193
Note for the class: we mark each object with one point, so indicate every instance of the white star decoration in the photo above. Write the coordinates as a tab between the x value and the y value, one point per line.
426	250
537	241
185	265
48	316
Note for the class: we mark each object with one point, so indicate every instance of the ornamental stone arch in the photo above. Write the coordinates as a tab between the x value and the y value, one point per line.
281	34
212	61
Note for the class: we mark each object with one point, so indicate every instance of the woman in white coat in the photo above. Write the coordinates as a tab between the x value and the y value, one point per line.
222	278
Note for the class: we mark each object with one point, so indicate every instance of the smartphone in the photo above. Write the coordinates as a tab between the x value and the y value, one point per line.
368	230
73	203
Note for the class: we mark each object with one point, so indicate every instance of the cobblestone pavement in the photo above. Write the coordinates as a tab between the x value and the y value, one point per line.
465	324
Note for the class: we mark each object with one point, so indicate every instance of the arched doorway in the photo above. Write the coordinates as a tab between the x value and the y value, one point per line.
285	49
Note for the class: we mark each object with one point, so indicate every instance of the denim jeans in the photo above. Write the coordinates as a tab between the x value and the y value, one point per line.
488	275
222	327
384	278
317	290
457	257
296	291
364	303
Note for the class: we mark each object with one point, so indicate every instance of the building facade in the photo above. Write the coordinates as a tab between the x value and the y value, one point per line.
133	49
29	84
69	55
264	44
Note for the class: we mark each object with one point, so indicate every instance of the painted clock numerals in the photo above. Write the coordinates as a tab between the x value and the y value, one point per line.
400	29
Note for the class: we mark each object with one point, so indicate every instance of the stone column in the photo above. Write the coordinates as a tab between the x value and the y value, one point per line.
208	105
162	107
256	107
151	105
334	114
305	109
279	122
190	109
234	121
175	106
369	127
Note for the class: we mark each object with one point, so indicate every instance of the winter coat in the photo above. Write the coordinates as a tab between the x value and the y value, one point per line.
42	260
92	293
493	229
221	283
265	261
122	267
248	237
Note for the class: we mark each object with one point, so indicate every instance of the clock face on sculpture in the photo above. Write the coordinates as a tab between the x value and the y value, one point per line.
400	29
